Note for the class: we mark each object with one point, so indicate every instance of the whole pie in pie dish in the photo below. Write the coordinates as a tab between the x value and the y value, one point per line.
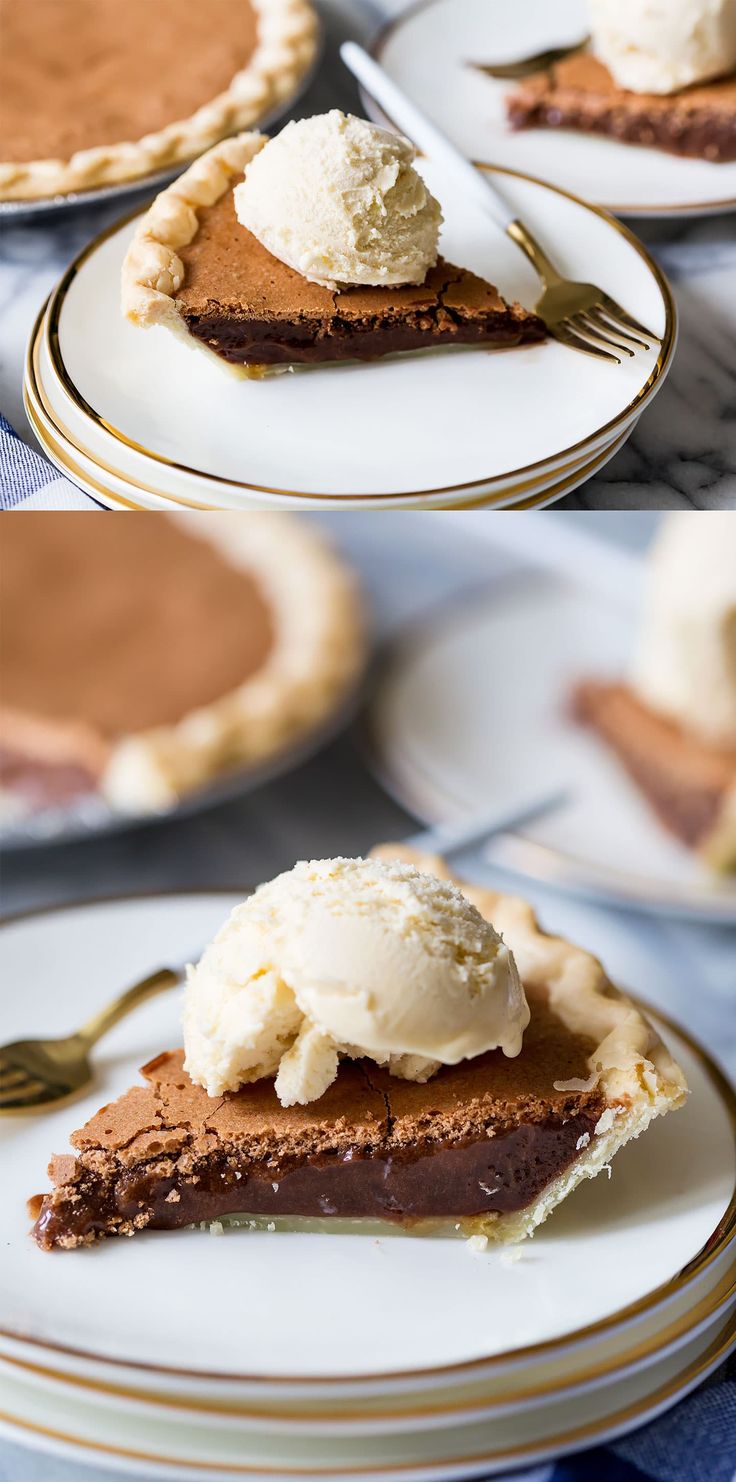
580	93
143	657
98	92
486	1146
196	269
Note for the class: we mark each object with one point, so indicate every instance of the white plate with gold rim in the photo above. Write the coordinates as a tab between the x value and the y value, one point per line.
441	740
427	51
632	1349
292	1316
447	426
143	1446
110	486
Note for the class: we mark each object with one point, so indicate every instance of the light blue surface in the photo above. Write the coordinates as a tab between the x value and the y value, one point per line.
332	806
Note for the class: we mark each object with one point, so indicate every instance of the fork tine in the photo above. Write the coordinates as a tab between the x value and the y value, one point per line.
564	334
14	1075
616	312
31	1095
602	320
586	325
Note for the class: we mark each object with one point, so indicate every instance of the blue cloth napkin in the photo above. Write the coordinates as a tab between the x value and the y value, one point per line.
28	481
693	1442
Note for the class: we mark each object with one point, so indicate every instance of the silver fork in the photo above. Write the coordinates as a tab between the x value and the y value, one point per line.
579	315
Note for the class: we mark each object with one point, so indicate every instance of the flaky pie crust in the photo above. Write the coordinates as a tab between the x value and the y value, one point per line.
316	655
286	48
152	270
630	1065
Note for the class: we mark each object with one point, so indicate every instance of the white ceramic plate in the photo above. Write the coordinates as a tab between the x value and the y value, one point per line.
454	723
290	1313
426	51
143	1445
441	428
111	487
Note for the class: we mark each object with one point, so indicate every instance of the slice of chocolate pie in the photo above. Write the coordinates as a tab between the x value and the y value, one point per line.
690	785
143	657
580	93
671	722
487	1146
195	269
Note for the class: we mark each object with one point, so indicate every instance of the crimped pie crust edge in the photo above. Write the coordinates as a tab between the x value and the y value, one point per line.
317	654
152	271
286	48
634	1069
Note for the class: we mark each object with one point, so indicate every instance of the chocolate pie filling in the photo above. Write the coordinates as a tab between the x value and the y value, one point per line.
685	779
481	1137
250	308
580	93
111	627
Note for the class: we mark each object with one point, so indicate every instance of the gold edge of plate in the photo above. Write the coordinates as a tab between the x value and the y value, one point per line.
547	495
717	1303
549	492
704	1364
718	1241
653	381
396	23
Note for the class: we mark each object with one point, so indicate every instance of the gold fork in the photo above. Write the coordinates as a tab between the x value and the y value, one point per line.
526	66
579	315
34	1072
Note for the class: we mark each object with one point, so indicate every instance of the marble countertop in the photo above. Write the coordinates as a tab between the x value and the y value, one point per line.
682	454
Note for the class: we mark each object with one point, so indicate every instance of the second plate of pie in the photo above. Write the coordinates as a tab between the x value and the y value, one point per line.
446	426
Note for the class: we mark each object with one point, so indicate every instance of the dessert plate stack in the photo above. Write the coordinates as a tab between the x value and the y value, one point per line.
273	1351
140	420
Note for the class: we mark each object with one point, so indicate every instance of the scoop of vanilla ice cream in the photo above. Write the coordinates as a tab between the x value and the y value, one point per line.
659	46
339	200
685	661
349	957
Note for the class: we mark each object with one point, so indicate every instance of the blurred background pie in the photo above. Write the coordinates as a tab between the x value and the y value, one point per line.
143	657
95	92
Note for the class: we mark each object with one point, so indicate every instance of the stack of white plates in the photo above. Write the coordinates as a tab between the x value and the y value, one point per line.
139	420
261	1352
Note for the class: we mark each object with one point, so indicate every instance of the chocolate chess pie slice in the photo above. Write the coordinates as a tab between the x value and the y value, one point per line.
690	784
487	1147
579	93
143	657
96	92
193	268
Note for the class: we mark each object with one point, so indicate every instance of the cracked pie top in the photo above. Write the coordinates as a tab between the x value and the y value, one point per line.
318	245
361	1042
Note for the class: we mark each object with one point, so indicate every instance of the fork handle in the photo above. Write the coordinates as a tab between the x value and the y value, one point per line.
425	134
521	235
148	987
